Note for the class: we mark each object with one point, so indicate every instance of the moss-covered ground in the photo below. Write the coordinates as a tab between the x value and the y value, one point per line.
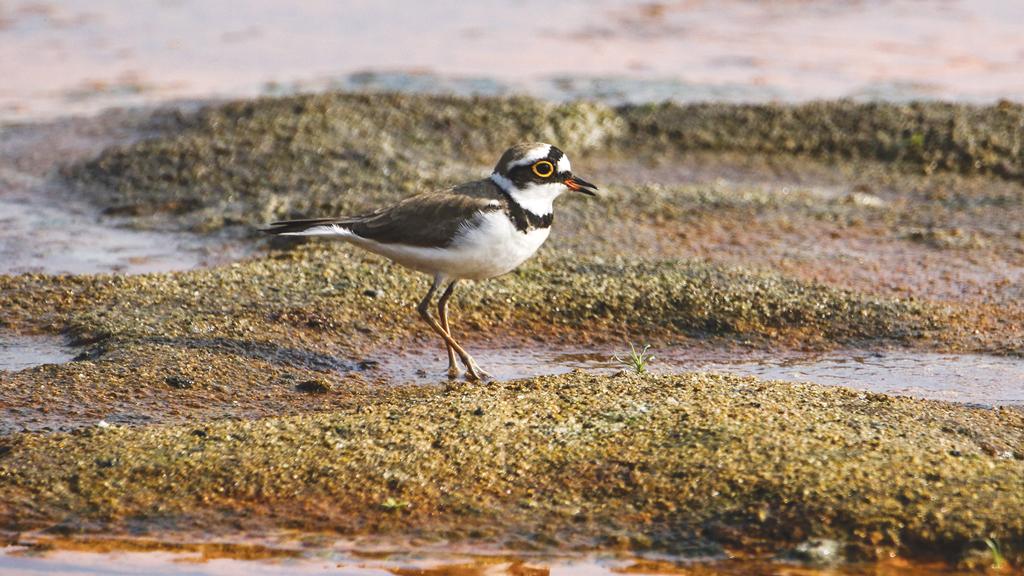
248	395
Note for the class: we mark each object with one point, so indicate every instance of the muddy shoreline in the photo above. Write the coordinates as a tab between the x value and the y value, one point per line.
250	402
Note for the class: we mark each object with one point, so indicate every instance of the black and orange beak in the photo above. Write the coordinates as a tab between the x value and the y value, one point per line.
580	185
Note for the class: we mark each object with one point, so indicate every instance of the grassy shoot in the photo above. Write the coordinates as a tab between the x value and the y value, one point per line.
637	359
998	560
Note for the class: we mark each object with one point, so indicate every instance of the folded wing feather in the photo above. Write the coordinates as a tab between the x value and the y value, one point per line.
431	219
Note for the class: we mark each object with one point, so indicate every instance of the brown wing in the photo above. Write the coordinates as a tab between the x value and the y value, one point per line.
431	219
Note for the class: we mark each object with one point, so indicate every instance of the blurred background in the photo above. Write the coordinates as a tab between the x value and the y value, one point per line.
60	57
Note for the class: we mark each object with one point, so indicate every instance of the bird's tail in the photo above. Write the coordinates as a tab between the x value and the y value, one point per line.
308	227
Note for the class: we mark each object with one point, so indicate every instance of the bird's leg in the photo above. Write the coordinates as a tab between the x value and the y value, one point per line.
473	372
442	313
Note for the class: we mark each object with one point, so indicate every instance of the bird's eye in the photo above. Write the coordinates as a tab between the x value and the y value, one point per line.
543	168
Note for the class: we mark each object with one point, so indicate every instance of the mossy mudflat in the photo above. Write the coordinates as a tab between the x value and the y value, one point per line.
682	464
251	410
270	298
892	199
925	136
245	336
253	161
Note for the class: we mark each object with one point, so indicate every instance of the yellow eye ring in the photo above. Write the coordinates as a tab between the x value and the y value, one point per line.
543	168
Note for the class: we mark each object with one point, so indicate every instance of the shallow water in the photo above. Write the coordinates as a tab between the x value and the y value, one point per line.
965	378
30	562
21	352
61	56
972	379
42	232
184	564
45	227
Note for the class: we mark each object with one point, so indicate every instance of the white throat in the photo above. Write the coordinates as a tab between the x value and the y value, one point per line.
536	198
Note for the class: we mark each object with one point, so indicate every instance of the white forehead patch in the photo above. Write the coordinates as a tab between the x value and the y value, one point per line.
532	155
563	164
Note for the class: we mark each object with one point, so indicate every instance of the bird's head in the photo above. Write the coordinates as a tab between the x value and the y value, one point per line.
534	174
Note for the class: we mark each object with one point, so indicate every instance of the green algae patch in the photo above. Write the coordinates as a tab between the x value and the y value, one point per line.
929	137
648	463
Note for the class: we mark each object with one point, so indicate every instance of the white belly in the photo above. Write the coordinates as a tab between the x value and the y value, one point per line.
491	249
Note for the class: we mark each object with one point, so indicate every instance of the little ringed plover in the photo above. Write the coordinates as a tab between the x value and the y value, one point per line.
473	231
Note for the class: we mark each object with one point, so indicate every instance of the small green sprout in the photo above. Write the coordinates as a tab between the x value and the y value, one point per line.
637	359
998	560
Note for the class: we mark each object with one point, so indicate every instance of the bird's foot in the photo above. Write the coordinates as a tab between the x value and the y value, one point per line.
475	374
454	372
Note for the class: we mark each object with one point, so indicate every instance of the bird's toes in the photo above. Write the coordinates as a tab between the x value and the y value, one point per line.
475	374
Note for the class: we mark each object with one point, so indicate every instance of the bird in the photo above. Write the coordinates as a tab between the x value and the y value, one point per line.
472	231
